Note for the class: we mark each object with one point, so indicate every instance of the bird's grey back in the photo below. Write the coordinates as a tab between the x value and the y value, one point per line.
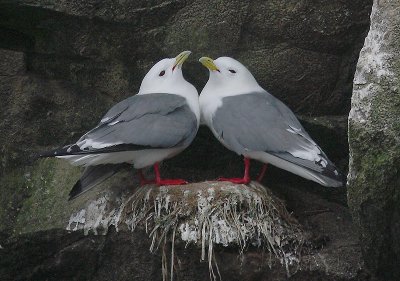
152	120
260	122
256	121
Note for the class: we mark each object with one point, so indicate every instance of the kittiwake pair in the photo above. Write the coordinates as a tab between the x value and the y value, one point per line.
163	118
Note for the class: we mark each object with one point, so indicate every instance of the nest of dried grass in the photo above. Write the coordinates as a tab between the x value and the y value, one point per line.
214	213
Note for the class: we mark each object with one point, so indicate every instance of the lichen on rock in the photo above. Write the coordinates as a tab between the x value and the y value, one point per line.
374	130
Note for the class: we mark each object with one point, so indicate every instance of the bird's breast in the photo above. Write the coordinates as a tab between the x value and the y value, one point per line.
208	106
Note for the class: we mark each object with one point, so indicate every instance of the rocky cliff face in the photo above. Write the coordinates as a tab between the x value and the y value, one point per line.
69	61
64	63
374	130
52	245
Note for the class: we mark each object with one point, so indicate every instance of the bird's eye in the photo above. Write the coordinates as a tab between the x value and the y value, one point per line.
162	73
232	71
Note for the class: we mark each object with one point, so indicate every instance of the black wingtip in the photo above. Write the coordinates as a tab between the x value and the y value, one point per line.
53	153
94	175
44	154
76	190
333	177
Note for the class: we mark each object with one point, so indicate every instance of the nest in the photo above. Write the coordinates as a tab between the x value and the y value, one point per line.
214	213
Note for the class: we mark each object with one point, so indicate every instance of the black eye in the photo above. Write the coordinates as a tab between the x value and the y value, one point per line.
232	71
162	73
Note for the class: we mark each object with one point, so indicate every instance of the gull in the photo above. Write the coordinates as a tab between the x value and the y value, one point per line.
248	120
157	123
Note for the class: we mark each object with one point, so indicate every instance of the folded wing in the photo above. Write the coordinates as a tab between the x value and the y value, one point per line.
258	122
137	123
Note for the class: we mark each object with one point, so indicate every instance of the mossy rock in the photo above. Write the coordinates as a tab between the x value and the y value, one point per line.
374	130
39	202
36	198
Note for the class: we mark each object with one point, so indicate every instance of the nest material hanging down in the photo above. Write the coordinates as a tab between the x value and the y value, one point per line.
215	213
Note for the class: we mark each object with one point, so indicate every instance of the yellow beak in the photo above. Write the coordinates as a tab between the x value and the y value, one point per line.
209	63
180	59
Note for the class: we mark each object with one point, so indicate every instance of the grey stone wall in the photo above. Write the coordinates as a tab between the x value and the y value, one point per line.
374	138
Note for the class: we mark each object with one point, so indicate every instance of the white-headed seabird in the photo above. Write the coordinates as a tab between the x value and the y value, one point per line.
251	122
157	123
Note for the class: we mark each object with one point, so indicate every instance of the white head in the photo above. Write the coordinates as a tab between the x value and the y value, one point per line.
166	77
228	77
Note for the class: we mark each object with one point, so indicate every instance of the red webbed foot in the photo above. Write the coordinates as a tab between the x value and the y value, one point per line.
246	177
262	173
170	182
159	181
235	180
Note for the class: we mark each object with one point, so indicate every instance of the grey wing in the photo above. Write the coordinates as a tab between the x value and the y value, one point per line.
152	120
139	122
260	122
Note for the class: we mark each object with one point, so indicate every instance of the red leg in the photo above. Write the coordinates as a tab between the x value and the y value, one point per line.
143	180
246	177
262	173
160	181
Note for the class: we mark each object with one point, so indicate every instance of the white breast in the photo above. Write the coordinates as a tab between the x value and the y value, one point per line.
209	104
189	92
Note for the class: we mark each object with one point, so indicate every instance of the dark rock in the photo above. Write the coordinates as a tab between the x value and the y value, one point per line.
12	63
64	63
97	41
331	253
374	130
95	53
